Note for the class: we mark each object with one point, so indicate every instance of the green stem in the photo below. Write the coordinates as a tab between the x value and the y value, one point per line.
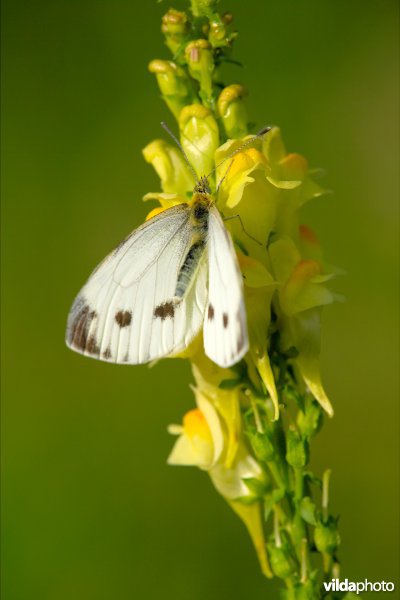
277	534
298	485
304	560
327	562
325	493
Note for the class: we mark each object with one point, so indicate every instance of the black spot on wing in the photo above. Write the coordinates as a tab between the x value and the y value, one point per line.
78	328
210	313
225	320
123	318
165	310
92	346
107	354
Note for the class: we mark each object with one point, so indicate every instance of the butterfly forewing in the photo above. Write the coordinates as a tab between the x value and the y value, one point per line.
127	312
225	326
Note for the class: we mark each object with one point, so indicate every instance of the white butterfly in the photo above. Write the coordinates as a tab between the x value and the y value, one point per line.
150	297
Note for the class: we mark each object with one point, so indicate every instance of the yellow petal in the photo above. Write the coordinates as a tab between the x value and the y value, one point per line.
213	422
166	200
303	332
187	453
284	258
265	370
254	273
227	405
199	137
273	146
309	369
170	166
251	517
230	481
155	212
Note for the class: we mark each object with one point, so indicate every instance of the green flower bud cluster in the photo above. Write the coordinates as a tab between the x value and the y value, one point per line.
199	43
301	529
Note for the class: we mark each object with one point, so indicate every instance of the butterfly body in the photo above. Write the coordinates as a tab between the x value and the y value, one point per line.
151	296
199	216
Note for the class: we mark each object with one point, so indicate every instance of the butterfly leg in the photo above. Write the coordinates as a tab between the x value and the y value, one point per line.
244	230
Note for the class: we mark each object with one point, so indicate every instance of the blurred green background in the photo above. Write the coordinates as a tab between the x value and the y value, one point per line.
90	508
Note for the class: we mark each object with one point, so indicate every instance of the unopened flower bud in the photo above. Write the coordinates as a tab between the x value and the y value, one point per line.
262	446
204	8
227	18
200	60
232	111
199	137
306	591
175	27
310	421
174	84
326	536
218	34
282	562
297	449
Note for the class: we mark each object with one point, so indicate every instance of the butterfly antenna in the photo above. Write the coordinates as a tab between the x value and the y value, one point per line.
262	132
177	142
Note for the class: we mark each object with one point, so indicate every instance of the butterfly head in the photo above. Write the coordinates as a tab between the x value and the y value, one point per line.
202	186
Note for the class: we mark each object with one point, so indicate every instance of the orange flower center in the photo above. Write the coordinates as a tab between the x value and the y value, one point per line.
194	423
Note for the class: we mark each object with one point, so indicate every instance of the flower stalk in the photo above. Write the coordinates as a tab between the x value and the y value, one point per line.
253	424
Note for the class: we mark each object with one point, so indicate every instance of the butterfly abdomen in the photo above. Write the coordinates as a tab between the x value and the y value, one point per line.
189	267
199	215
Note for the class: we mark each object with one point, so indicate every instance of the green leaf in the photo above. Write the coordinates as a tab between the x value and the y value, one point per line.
256	486
247	500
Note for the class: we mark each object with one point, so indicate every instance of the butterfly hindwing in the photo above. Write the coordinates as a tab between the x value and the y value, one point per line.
127	312
225	326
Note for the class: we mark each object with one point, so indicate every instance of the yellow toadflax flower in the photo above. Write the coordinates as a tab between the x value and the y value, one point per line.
204	441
